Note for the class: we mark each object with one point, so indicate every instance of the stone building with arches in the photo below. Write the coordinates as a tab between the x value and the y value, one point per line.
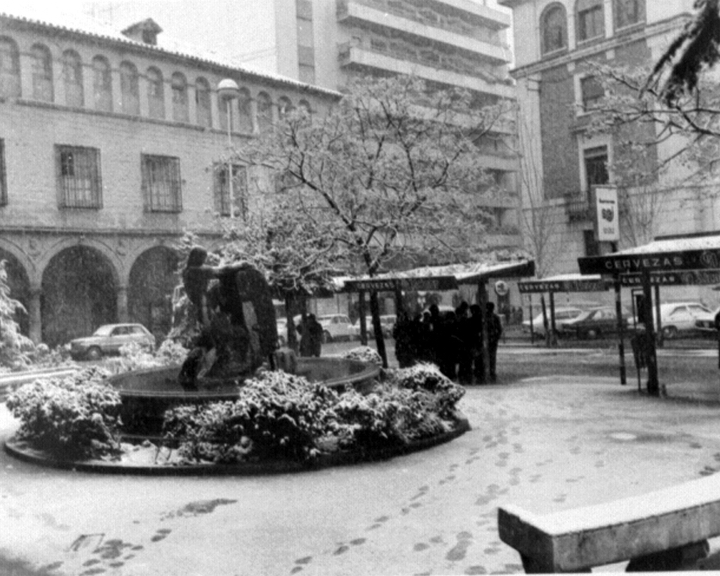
111	148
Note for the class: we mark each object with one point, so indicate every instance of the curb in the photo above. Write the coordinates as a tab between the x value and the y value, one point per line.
20	450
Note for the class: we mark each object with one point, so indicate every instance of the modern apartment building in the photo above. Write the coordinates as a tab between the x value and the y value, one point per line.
556	43
111	147
325	42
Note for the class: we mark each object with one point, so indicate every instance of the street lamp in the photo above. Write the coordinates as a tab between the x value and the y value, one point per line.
228	90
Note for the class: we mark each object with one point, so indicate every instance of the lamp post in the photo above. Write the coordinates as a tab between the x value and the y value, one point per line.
228	90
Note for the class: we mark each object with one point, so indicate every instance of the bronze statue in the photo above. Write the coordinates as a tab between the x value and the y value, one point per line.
238	330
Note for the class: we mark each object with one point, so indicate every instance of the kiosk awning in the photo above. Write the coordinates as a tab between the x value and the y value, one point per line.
441	277
700	253
565	283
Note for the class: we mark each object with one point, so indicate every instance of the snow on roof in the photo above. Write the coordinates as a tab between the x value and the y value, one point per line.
56	17
574	277
461	272
675	245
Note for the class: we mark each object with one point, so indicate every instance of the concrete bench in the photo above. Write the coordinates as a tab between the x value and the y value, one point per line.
662	530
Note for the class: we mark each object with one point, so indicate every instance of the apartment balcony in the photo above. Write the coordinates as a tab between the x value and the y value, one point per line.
354	56
577	209
381	14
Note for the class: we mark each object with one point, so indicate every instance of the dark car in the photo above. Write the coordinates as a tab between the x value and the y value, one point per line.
108	339
593	323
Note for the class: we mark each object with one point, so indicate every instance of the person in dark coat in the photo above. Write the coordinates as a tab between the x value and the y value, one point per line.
476	343
311	334
494	331
403	334
464	352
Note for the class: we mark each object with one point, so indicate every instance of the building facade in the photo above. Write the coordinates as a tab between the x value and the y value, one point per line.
111	148
459	43
556	44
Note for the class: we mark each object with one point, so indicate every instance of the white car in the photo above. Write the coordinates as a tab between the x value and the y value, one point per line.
387	321
336	327
563	314
679	317
705	323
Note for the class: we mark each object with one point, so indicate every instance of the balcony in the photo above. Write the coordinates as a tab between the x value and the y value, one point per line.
355	56
577	209
426	25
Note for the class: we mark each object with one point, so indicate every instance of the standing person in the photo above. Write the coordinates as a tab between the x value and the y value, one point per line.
494	331
465	335
311	333
476	343
404	340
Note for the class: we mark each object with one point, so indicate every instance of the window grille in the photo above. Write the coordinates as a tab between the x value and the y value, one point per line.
596	169
78	177
161	184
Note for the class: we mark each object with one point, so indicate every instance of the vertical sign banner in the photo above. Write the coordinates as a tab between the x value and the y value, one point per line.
607	221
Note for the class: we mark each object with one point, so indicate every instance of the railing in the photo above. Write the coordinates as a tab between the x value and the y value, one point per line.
426	16
577	209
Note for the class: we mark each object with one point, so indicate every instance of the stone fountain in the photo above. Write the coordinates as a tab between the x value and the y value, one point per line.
237	337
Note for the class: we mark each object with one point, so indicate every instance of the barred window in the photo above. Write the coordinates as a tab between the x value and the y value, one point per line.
78	177
240	190
161	184
596	166
3	181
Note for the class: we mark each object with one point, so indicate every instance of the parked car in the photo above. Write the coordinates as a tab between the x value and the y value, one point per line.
677	318
563	314
336	327
705	323
387	321
594	322
108	339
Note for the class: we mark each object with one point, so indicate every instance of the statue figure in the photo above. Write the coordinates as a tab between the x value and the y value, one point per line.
238	331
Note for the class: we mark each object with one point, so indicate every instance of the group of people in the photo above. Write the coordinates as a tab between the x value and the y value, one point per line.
452	340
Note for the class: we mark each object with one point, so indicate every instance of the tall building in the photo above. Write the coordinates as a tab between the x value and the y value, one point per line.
556	44
325	42
111	147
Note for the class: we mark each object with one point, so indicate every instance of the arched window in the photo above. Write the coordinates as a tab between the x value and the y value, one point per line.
284	107
202	102
129	89
180	98
102	84
42	78
9	68
554	28
73	79
629	12
264	112
304	105
155	93
590	19
245	119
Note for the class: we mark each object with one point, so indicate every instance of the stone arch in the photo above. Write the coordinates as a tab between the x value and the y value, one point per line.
152	281
79	293
19	281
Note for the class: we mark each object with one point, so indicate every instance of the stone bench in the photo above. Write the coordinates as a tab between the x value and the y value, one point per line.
662	530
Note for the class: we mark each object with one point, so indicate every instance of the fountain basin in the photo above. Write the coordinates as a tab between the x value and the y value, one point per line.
147	394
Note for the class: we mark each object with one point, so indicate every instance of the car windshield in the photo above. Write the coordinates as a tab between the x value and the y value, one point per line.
103	330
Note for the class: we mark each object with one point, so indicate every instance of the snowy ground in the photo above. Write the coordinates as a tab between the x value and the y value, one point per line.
544	445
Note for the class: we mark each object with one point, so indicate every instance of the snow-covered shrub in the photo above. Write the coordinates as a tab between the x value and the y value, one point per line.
77	416
363	354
